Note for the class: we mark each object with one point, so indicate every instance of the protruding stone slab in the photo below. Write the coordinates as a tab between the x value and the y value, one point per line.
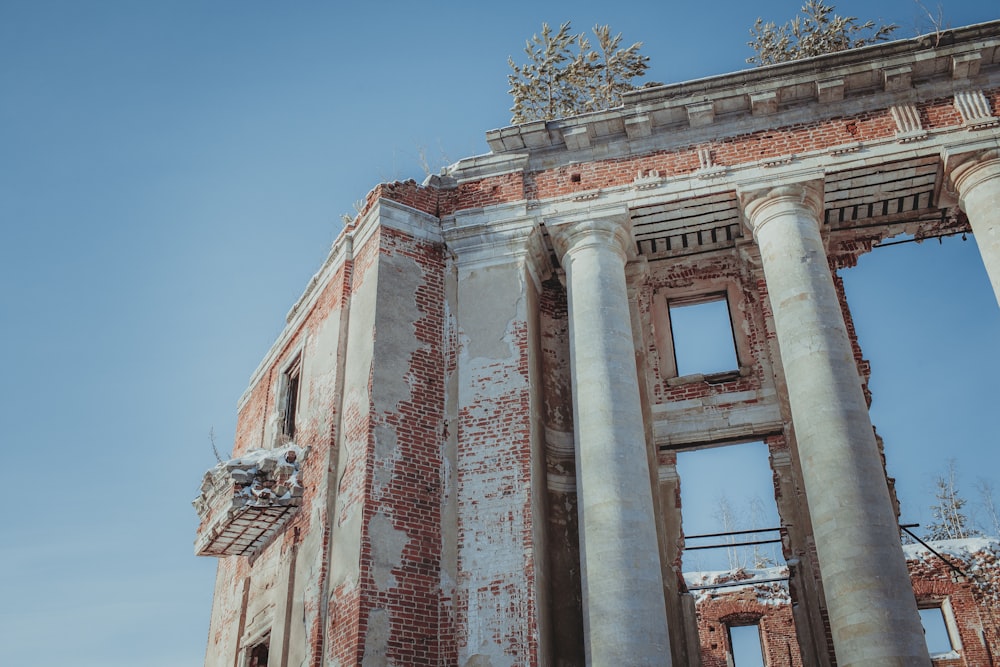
897	78
764	104
701	114
247	500
577	137
965	65
830	90
638	127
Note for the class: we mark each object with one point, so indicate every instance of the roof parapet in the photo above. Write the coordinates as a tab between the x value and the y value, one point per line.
954	57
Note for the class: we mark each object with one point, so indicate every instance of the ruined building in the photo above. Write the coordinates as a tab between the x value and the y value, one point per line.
462	448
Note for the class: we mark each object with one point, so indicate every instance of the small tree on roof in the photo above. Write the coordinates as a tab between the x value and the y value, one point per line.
950	520
565	75
815	32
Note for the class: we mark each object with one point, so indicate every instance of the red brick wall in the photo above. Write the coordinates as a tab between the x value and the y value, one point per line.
494	480
495	435
974	600
767	607
413	497
796	138
715	272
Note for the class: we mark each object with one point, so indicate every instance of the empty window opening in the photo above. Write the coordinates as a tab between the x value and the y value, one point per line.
291	398
746	649
703	336
727	489
258	654
936	633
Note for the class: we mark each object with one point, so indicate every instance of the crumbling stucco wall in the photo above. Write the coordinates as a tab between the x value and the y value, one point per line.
440	519
499	451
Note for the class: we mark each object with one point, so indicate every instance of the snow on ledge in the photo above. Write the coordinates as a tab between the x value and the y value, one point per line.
247	500
961	549
761	580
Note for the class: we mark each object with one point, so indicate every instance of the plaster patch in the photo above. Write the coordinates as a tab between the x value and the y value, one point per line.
386	455
377	639
344	567
387	544
385	441
494	658
486	309
395	339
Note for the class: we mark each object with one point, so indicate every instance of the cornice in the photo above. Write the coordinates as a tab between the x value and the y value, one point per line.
880	76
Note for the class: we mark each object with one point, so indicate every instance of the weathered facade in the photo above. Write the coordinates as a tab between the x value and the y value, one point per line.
484	406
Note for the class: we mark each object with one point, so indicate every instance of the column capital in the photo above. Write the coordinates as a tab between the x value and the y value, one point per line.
762	204
968	170
614	233
488	243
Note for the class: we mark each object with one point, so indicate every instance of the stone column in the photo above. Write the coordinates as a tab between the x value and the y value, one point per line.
623	607
873	613
977	180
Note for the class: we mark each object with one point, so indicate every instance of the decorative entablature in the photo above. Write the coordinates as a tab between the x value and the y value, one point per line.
874	125
843	83
245	501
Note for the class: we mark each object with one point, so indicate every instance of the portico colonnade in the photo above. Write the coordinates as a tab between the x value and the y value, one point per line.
872	610
624	610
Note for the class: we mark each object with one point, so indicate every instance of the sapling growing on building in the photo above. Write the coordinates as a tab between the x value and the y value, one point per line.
816	31
566	75
950	520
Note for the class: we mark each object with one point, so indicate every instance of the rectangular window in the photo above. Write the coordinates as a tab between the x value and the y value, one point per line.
745	645
937	631
702	333
258	654
724	490
291	398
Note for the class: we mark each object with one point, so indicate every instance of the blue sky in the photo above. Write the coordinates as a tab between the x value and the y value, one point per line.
171	175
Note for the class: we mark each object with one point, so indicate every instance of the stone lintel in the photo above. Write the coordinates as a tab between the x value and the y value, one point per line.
490	164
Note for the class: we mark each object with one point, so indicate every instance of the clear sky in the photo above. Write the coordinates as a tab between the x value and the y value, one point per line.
171	175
